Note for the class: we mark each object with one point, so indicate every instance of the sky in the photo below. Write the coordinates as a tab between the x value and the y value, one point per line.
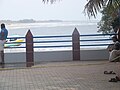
37	10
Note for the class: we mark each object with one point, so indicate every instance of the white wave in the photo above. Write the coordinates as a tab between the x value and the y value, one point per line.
46	24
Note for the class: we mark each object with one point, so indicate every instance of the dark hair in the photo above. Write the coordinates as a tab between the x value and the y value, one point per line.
2	25
117	46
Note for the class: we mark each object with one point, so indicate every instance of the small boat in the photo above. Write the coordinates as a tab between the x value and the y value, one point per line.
13	42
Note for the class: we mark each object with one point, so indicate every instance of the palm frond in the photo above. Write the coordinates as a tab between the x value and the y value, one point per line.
94	6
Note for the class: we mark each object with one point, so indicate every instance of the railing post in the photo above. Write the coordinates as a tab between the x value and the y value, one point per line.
2	58
119	34
76	45
29	49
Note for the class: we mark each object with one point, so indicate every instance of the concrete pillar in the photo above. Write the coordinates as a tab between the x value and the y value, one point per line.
76	45
29	49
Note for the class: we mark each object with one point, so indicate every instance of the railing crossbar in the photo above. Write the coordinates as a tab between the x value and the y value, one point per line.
52	36
14	37
96	40
95	45
52	41
52	46
16	47
98	34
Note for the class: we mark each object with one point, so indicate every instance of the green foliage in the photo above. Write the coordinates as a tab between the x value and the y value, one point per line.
110	21
105	25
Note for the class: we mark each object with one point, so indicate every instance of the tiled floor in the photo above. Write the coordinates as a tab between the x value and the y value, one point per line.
73	75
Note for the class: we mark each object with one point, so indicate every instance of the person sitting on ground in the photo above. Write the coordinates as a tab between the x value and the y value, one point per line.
115	53
111	46
114	49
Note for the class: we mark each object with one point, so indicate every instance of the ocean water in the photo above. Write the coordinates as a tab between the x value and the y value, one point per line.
53	29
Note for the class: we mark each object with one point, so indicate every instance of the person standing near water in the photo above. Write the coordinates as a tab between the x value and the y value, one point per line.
3	37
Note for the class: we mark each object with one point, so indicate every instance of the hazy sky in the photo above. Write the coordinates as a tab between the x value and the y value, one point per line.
36	9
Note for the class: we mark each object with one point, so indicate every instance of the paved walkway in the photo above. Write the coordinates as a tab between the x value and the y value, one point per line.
73	75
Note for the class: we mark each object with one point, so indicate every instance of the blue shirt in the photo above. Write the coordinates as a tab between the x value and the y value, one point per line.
5	31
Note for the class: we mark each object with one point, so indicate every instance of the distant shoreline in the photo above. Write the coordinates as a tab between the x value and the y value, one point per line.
42	21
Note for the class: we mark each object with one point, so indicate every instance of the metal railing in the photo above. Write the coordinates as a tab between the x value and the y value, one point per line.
61	41
75	42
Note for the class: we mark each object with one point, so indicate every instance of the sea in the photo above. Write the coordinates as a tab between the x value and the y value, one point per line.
50	28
